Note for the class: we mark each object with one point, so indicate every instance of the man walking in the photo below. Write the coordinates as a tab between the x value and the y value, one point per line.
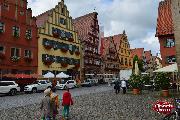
67	101
123	86
117	87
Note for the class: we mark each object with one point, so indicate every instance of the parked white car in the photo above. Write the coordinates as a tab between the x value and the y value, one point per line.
38	85
66	84
9	87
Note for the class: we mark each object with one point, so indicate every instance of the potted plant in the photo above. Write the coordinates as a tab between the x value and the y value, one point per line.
135	82
64	50
63	64
70	39
162	80
15	58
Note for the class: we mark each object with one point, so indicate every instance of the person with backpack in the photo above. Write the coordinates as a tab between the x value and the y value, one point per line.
66	102
45	105
54	104
117	87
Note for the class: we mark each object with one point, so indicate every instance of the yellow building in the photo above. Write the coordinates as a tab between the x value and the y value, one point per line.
58	44
123	48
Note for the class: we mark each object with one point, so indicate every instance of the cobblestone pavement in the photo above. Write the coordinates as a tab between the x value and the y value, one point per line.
96	106
27	99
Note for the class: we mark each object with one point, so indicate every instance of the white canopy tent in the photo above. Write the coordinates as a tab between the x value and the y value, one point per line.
170	68
49	75
62	75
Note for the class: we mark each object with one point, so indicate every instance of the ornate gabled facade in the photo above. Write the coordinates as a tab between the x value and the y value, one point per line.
111	62
124	52
18	38
88	32
165	32
59	46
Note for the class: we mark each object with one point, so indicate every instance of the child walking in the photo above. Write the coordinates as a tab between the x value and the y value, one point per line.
66	102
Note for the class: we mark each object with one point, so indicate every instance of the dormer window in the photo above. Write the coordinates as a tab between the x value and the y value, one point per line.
1	27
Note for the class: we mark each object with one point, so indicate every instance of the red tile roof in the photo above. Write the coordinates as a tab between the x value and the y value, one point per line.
164	20
83	25
137	51
148	55
40	19
117	40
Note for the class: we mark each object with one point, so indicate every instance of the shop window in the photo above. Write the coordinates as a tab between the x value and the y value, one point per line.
15	52
170	43
27	53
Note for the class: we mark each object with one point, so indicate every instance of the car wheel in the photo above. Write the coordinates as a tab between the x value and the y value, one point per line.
13	92
34	90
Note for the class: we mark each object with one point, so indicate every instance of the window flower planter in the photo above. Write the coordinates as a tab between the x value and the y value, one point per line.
77	53
70	39
48	46
64	50
64	65
15	58
71	52
47	62
28	37
28	59
77	65
2	55
55	34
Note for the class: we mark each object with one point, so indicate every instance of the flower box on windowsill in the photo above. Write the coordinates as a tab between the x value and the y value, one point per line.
64	65
64	50
48	47
47	62
77	52
15	58
28	59
28	37
71	52
2	55
70	39
77	65
56	35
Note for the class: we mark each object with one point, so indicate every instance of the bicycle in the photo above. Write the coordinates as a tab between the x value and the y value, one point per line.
174	115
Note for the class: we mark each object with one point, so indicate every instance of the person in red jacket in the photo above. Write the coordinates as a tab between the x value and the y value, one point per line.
66	102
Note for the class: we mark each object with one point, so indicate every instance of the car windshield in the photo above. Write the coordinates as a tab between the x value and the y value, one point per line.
62	82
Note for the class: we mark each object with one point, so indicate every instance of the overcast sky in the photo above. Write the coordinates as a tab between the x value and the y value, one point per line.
137	17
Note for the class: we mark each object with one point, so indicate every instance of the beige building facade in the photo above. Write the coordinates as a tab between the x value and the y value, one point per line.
59	49
176	21
124	52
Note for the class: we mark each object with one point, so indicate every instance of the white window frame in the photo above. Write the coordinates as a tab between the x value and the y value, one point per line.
29	51
15	52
